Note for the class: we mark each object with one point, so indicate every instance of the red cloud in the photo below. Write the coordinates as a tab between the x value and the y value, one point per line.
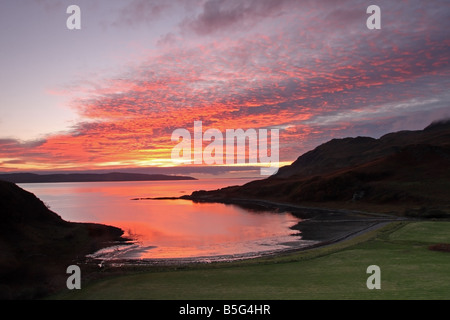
298	74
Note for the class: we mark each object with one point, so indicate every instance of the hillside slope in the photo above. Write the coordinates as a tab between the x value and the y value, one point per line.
349	152
36	245
407	171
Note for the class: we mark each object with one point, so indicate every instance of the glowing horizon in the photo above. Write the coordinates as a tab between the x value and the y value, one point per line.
110	95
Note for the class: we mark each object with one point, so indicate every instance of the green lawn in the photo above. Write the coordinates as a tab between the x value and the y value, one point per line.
409	270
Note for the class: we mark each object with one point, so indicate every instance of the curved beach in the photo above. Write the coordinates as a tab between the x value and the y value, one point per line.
318	227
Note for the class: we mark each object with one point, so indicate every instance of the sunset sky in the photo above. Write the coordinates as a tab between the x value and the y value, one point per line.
109	96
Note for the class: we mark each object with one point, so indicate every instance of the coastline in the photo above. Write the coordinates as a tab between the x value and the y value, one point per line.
180	262
361	226
39	267
319	227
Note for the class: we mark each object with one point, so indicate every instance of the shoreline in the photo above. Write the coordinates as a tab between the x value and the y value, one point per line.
180	262
321	227
97	269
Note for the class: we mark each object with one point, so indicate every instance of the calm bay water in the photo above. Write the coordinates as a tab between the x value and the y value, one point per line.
169	228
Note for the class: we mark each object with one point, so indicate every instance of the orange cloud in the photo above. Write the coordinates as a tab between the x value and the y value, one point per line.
299	74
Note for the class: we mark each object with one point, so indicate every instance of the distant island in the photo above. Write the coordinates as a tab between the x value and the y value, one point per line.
87	177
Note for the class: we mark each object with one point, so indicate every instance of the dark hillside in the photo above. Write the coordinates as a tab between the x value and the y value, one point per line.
406	172
36	245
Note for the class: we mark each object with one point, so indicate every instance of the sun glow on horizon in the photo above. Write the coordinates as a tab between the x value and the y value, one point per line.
281	65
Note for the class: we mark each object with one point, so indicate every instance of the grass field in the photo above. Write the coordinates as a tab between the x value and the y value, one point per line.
409	270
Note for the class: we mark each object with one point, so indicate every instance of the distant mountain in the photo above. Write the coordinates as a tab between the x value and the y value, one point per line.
401	171
87	177
37	245
348	152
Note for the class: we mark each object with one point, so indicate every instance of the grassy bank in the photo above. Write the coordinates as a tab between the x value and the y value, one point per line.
409	270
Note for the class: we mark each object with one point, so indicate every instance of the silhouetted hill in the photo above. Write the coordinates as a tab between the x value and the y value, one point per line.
343	153
406	171
37	245
87	177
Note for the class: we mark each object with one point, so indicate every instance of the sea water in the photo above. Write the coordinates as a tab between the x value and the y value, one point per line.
170	229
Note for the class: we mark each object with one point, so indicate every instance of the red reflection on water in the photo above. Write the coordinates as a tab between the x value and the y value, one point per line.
184	229
168	228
